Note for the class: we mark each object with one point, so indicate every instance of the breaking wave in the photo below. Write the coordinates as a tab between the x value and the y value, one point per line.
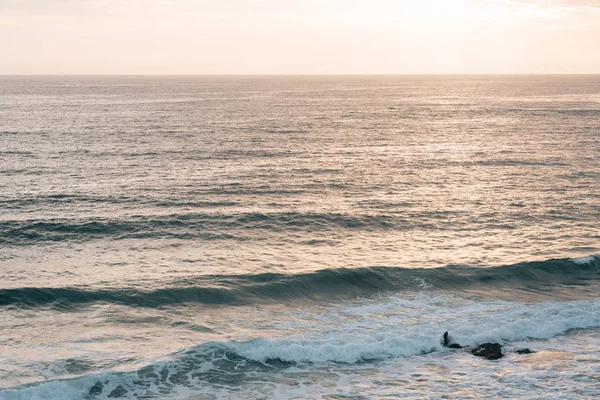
216	365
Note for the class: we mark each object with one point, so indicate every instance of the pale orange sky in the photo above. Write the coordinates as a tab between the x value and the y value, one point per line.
299	37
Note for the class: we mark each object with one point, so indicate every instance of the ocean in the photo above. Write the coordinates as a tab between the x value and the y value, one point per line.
299	237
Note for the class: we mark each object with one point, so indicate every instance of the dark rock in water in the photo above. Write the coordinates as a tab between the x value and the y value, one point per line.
119	391
491	351
278	362
525	351
96	389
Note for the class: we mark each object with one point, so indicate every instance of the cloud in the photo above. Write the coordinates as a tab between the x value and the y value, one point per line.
42	7
593	4
219	7
553	8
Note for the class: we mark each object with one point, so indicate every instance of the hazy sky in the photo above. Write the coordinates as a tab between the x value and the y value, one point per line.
299	37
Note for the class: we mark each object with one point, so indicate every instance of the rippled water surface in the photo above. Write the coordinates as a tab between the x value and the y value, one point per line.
298	237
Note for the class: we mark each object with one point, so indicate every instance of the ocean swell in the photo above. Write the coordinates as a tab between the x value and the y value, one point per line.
327	285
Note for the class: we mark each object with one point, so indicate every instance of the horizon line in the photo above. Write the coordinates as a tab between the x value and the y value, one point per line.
325	74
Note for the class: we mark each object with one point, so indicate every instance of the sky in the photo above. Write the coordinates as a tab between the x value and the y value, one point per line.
299	36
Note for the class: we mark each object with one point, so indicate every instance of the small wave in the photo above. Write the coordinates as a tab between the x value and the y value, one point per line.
191	225
74	199
283	130
544	111
321	285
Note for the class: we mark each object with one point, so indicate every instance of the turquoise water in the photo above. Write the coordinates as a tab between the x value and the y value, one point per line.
298	237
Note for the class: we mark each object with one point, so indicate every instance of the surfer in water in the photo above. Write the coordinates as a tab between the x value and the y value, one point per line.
446	342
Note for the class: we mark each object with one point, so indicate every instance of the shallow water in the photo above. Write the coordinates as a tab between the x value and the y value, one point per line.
307	237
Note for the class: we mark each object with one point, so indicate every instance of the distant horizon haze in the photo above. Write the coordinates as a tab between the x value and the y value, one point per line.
329	37
292	75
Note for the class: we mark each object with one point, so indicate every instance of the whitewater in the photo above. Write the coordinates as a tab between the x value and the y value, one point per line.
299	237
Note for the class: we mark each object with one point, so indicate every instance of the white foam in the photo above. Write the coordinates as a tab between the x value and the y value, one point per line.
394	330
406	329
585	260
59	389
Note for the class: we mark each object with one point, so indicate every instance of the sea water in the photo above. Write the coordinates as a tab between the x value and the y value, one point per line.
299	237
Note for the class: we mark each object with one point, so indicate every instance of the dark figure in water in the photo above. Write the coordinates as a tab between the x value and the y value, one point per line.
446	342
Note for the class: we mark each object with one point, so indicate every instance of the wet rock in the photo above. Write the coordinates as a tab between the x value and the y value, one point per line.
117	392
525	351
96	389
490	351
